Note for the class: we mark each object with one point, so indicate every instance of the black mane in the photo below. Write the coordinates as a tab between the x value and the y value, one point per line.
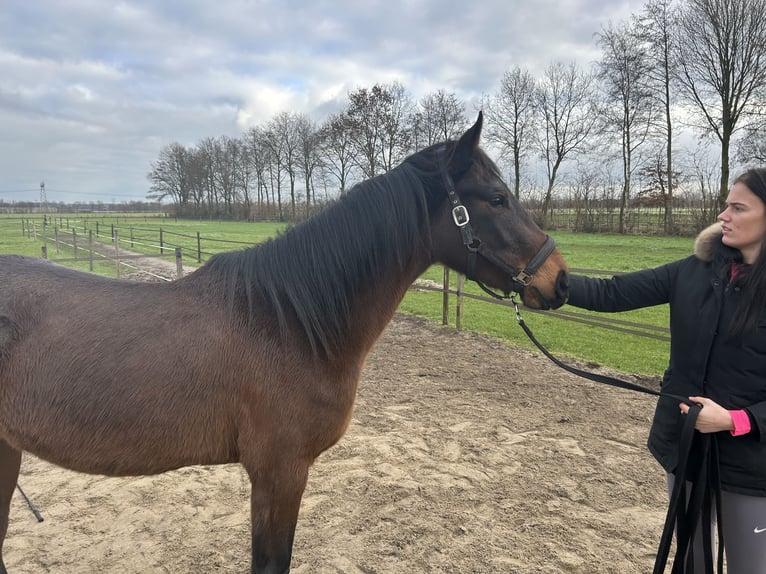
311	272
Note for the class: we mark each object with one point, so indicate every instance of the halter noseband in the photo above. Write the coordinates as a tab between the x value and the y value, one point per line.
520	277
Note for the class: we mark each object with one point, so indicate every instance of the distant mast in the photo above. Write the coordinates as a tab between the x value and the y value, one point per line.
43	198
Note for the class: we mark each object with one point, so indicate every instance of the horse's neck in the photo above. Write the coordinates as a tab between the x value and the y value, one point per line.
371	312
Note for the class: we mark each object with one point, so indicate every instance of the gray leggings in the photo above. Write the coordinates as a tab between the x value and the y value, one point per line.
744	525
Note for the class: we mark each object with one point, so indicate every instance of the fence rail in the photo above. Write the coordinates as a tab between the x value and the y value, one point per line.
600	321
95	242
95	248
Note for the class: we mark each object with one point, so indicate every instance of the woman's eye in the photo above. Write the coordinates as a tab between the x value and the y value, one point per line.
497	201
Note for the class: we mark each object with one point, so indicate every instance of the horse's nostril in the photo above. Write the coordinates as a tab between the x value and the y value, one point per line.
562	284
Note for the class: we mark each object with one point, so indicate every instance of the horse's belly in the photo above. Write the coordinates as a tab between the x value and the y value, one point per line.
116	437
129	454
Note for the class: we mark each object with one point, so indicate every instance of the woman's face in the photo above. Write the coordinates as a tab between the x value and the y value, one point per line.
744	222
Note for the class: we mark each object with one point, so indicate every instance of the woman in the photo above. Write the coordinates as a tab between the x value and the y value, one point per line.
717	303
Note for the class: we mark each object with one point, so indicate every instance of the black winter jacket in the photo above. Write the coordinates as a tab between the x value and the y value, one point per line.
703	360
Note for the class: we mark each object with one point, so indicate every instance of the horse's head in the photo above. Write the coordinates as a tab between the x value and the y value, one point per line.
484	232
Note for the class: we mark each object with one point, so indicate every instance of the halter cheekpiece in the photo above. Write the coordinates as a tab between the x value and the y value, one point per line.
520	277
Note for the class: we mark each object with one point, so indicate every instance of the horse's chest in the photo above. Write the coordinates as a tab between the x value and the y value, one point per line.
330	408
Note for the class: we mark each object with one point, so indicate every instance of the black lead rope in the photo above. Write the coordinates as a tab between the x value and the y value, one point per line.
683	512
604	379
32	507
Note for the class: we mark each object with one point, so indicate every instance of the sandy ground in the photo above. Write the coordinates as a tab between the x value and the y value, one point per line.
464	455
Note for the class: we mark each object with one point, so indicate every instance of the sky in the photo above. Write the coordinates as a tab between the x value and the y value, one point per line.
92	90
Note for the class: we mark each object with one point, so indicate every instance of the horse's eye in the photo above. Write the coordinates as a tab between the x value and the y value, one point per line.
497	200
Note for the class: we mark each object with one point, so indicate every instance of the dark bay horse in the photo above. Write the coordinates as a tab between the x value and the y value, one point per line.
255	357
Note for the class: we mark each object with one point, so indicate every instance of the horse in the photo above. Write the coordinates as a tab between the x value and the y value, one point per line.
255	357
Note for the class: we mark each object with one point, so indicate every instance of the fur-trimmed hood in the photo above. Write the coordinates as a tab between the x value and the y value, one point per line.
707	242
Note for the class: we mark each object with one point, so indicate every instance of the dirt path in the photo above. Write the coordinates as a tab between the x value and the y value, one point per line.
464	455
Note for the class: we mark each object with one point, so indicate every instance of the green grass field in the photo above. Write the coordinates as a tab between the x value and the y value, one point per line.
612	253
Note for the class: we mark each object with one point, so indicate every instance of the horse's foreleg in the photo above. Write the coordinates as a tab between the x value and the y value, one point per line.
10	462
276	499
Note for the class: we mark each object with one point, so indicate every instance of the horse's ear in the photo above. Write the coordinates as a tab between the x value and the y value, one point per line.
464	149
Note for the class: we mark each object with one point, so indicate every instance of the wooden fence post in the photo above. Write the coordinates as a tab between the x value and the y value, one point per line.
199	249
117	252
459	308
445	297
179	263
90	249
74	242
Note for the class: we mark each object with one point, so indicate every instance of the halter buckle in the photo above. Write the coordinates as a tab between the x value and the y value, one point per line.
523	278
460	215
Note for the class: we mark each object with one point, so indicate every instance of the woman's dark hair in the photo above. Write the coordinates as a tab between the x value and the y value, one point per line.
753	281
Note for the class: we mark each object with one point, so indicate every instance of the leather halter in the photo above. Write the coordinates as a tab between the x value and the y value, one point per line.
520	277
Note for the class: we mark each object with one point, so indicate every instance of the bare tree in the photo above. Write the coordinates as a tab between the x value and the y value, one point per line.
378	118
196	170
589	176
275	167
396	120
629	105
169	176
704	187
656	25
227	162
722	66
511	118
564	103
247	178
751	147
259	158
337	148
206	150
364	117
654	177
308	154
440	117
285	129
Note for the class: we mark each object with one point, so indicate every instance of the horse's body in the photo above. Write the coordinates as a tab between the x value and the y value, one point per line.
255	357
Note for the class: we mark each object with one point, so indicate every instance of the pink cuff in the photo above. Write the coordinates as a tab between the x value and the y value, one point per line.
741	422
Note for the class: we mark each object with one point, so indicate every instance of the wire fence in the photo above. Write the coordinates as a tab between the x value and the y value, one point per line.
602	321
107	247
136	237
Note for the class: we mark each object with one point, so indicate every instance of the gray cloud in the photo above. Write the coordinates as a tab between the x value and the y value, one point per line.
90	91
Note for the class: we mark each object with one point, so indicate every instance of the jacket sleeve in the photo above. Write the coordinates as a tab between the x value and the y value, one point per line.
757	414
623	292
